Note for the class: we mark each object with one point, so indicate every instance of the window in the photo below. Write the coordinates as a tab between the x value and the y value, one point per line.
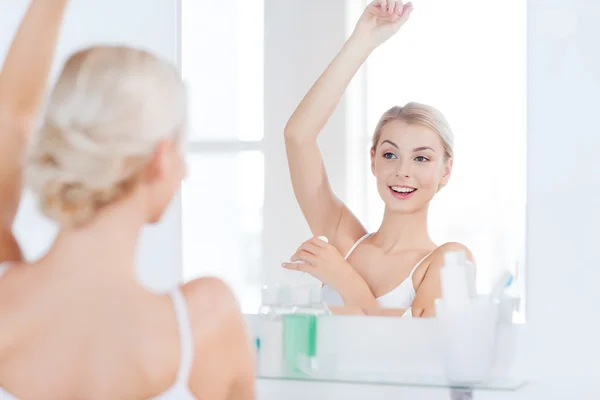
222	64
473	69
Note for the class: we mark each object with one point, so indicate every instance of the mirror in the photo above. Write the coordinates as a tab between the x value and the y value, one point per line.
245	86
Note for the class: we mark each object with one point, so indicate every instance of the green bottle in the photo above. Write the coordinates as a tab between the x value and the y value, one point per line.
300	343
300	332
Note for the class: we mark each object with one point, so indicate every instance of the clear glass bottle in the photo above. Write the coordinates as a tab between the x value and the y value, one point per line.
270	331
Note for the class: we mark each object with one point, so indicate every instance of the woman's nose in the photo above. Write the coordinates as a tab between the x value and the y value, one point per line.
403	169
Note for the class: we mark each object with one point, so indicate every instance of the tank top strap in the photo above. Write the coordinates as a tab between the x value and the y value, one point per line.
186	338
355	245
417	265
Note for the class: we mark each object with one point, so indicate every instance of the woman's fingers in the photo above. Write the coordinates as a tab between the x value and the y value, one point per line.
309	247
300	260
294	266
305	256
399	7
406	11
391	5
320	242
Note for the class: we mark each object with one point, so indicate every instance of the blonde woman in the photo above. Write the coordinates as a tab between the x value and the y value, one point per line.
76	324
411	157
22	85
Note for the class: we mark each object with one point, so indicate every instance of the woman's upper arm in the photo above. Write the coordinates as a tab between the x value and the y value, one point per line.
224	358
430	287
319	205
324	212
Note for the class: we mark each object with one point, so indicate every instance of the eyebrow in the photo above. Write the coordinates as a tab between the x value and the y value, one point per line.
423	148
414	150
390	142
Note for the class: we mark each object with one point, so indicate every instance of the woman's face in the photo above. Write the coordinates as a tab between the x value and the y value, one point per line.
409	164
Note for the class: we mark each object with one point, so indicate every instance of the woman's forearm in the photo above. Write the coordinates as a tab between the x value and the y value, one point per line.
356	292
321	100
26	69
371	312
22	85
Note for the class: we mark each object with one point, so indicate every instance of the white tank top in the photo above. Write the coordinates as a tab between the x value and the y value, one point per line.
402	296
180	389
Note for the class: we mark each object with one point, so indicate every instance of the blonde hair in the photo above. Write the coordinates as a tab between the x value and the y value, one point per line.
107	113
420	114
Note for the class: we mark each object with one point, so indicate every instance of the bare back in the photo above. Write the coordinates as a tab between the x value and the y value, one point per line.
77	338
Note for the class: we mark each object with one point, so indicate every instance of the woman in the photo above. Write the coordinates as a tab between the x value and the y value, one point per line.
411	158
77	324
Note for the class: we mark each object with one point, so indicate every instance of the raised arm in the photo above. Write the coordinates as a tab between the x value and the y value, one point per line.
325	213
22	83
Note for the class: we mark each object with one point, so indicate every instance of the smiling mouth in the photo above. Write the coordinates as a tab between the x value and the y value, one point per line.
402	192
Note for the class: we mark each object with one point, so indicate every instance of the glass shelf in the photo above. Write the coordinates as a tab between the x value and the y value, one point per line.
384	378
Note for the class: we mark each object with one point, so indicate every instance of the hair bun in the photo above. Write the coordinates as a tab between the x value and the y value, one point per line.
68	203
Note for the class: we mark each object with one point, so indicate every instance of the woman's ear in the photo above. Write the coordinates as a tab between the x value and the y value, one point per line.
160	162
373	161
447	172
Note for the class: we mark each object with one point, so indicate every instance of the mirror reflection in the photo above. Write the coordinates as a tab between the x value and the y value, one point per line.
401	140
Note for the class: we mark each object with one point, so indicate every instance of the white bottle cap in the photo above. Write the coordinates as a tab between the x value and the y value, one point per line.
454	278
455	257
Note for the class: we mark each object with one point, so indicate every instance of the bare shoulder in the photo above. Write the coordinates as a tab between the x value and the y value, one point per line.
438	254
428	287
204	289
436	259
220	339
210	299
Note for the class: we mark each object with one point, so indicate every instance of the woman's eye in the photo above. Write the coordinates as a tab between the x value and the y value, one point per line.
421	159
389	156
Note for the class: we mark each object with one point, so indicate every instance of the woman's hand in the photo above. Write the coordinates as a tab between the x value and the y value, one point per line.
323	261
380	21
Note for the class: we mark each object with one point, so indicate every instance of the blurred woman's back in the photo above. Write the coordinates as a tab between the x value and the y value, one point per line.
77	323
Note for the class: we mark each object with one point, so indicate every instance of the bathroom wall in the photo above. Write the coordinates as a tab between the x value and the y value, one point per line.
563	142
150	24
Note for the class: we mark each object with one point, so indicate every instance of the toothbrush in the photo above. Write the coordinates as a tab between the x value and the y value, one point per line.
502	283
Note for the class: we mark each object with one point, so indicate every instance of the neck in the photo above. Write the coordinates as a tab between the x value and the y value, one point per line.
402	231
104	247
